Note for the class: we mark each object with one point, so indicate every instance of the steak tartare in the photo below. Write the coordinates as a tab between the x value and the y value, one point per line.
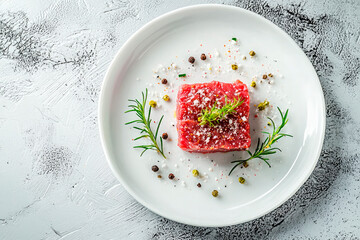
229	134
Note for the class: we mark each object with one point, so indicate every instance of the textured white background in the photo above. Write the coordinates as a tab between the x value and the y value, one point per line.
54	180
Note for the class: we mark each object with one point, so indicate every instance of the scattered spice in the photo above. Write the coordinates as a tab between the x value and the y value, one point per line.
164	81
152	103
252	53
263	105
244	58
155	168
264	76
165	136
270	75
171	176
182	75
195	173
159	176
199	185
215	193
203	56
253	84
241	180
234	67
269	123
166	98
191	59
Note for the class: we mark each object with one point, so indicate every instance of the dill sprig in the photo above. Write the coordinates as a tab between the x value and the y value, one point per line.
214	115
265	148
145	130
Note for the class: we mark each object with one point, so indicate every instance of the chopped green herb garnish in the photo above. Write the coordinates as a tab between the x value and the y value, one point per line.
182	75
234	39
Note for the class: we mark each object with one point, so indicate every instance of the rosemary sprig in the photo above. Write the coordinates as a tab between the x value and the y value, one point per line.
145	130
265	148
214	115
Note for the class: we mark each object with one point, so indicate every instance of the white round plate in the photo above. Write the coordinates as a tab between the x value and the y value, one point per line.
171	39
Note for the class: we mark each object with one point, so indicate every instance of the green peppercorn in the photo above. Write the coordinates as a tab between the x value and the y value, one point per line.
245	164
252	53
263	105
269	123
152	103
215	193
253	84
166	98
234	67
195	173
241	180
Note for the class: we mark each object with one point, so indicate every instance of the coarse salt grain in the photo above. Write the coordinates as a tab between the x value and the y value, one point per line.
210	169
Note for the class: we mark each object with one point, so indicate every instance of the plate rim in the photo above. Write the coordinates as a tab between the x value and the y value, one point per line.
101	120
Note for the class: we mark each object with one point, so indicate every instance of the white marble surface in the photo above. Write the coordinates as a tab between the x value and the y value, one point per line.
54	180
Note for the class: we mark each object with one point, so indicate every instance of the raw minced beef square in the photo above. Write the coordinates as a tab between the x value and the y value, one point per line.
230	134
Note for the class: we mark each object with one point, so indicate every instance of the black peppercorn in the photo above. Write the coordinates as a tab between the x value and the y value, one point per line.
171	176
203	56
155	168
191	59
199	185
164	81
165	136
